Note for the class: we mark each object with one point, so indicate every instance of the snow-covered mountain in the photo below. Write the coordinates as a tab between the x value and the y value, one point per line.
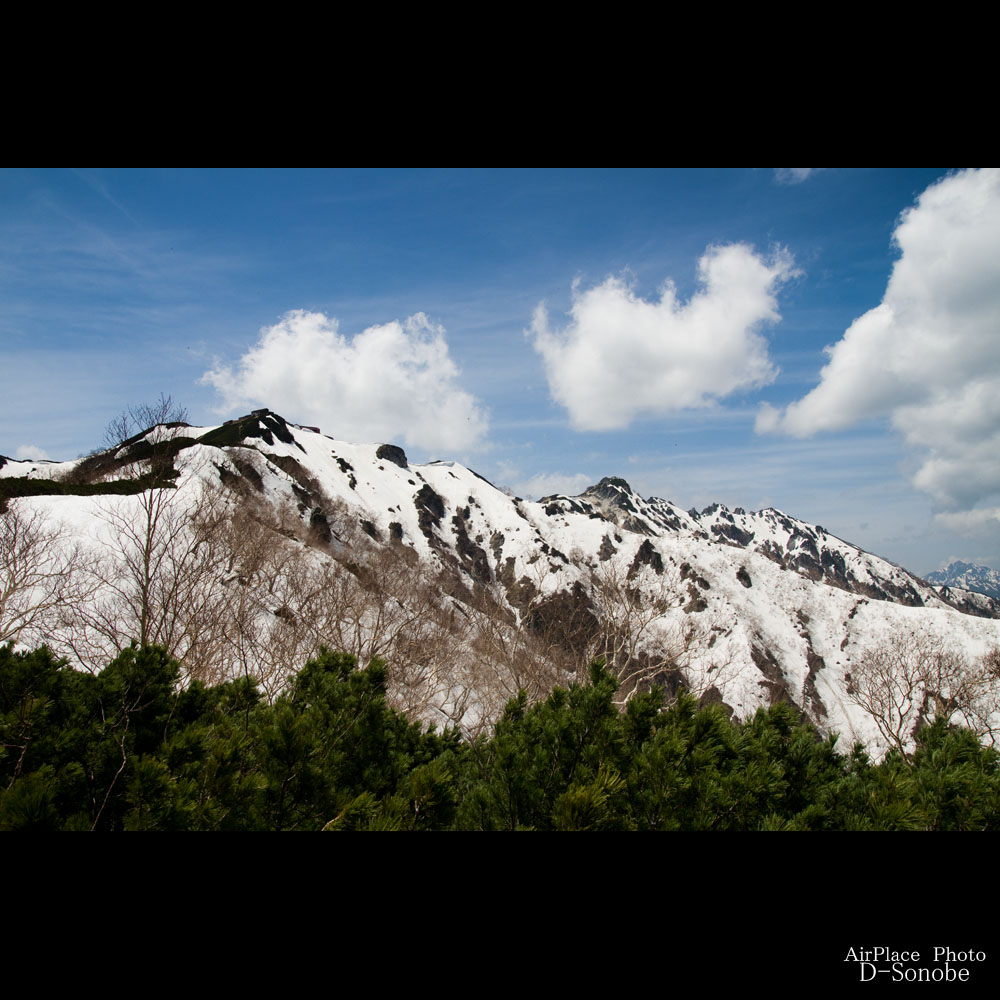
966	576
277	537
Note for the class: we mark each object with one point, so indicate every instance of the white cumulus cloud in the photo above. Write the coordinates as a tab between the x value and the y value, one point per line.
928	355
390	382
622	356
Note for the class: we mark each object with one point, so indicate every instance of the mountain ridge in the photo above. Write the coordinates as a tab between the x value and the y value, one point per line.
743	607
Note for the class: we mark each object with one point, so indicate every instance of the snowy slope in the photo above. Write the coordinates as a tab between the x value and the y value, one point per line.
749	606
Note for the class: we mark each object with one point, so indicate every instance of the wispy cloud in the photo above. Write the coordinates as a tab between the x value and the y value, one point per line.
793	175
546	484
971	522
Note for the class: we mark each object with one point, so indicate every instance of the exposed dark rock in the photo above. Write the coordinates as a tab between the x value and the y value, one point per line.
733	535
395	531
607	550
773	551
566	620
430	508
320	526
774	681
835	568
261	424
246	467
310	489
696	603
646	555
473	557
521	593
813	702
744	577
392	453
279	428
688	573
505	575
496	546
713	696
670	521
613	490
636	525
806	565
800	542
369	529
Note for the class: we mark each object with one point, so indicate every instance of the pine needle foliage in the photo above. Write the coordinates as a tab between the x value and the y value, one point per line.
133	748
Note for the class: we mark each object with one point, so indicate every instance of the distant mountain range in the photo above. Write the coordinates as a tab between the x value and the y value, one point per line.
979	579
245	545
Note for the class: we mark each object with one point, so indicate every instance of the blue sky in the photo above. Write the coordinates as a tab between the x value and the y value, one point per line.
517	321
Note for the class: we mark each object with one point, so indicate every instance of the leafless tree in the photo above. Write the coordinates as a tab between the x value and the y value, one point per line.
913	679
155	418
641	642
40	578
515	644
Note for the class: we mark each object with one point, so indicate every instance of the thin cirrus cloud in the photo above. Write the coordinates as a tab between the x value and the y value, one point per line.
928	355
622	357
395	381
793	175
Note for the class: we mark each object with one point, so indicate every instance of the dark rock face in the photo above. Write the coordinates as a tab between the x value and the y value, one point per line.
566	620
320	526
744	577
392	453
773	552
305	486
835	569
244	469
646	555
607	549
496	545
733	535
812	699
261	424
616	491
430	508
473	557
774	681
280	429
636	525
